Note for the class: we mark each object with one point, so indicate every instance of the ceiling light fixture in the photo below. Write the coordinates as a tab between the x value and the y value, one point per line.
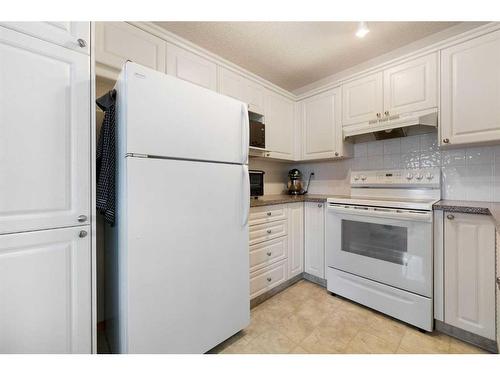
362	30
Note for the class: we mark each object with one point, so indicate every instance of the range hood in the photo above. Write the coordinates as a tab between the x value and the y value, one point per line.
393	126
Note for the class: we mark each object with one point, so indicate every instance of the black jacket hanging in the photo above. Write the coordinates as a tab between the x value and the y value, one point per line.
106	159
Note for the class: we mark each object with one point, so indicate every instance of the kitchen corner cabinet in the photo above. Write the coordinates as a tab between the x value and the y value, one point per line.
295	239
117	42
191	67
236	86
469	273
315	239
279	119
321	127
72	35
470	94
45	291
45	142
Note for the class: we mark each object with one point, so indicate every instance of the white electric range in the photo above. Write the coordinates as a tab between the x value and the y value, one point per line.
379	242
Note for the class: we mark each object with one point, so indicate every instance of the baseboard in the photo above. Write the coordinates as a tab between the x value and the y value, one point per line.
315	279
469	337
279	288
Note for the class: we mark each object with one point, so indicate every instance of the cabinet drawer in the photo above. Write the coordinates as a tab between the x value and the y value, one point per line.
264	232
267	278
266	214
266	253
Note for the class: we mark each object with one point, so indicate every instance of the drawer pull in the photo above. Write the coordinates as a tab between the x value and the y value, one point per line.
269	253
269	231
269	279
268	214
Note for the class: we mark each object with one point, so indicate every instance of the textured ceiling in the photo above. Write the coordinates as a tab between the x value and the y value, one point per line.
294	54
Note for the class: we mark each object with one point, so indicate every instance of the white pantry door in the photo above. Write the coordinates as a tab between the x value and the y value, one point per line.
45	291
44	134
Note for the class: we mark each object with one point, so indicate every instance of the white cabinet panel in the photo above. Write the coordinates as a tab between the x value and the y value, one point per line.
44	134
263	280
269	231
411	86
279	126
117	42
315	239
295	239
191	67
321	127
234	85
362	99
64	33
266	253
45	292
470	94
469	290
266	214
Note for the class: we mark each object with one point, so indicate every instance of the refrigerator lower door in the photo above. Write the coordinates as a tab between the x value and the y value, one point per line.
168	117
188	263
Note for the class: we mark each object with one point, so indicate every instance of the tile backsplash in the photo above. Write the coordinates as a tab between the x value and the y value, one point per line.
471	173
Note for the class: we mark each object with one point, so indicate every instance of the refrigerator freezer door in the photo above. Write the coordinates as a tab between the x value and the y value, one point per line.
188	263
169	117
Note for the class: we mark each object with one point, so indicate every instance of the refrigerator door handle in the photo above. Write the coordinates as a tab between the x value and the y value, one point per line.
246	196
245	129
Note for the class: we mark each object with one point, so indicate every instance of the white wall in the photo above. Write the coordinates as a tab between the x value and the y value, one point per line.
470	173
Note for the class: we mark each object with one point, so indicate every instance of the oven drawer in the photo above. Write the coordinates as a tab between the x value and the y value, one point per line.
268	252
264	232
266	214
263	280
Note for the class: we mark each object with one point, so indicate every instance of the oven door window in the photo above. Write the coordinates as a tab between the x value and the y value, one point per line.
379	241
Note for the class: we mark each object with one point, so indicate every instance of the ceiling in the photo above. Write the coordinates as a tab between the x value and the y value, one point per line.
294	54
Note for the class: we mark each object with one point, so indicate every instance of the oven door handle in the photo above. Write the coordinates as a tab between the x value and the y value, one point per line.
396	214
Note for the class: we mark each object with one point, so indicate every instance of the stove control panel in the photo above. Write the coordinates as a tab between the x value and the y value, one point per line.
429	177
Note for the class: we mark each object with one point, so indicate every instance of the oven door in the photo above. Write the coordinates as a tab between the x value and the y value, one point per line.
391	246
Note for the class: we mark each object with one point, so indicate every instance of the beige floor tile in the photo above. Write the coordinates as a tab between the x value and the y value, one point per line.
460	347
417	342
367	343
273	342
386	328
296	327
299	350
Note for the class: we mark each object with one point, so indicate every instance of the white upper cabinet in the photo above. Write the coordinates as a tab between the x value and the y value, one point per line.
45	291
280	128
117	42
470	91
44	134
315	239
191	67
362	99
411	86
322	128
234	85
72	35
469	273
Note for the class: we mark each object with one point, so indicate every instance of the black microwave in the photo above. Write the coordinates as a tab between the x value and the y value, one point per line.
256	183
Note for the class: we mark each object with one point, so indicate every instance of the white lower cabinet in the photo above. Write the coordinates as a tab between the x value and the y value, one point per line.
295	239
469	273
314	239
276	245
45	291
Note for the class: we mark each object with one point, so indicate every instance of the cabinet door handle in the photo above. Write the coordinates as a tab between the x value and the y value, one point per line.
82	43
378	115
269	253
82	218
446	140
320	205
336	153
498	282
269	214
386	113
450	216
82	234
269	279
269	231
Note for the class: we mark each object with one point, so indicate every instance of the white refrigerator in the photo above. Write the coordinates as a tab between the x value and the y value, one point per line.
178	259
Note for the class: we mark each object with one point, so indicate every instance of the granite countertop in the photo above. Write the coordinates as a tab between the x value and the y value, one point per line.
267	200
471	207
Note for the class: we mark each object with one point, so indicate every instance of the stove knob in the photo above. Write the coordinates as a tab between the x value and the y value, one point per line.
356	178
363	178
419	176
429	176
409	176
